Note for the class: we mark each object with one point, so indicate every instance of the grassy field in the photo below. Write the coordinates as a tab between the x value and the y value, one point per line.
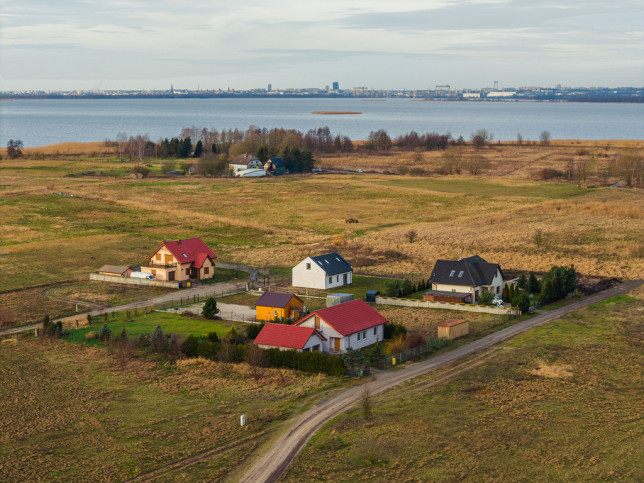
521	224
74	412
559	403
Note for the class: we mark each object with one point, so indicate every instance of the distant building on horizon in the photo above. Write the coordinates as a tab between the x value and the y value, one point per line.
336	86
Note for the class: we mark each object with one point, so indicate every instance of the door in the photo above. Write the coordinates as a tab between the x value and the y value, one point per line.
337	344
171	276
344	278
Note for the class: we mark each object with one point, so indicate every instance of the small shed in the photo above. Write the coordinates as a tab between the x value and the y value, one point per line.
116	270
371	296
338	298
452	329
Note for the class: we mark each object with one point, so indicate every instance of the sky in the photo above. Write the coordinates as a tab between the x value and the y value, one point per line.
243	44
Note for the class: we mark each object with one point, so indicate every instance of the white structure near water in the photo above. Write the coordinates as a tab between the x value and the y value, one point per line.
323	272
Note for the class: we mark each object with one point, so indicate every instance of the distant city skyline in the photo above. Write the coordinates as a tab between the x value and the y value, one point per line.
409	44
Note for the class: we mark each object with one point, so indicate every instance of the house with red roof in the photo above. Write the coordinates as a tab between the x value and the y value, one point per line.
353	325
289	337
189	259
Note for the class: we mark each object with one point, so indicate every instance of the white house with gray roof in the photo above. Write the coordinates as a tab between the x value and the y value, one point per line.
323	272
465	279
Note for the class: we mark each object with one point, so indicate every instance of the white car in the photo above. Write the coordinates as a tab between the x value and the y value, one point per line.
497	301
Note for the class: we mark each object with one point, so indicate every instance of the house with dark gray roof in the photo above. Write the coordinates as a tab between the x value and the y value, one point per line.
464	279
326	271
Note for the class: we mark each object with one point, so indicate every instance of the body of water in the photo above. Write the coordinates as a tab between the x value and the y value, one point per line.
41	122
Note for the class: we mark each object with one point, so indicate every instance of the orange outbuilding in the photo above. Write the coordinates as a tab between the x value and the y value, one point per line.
280	305
453	329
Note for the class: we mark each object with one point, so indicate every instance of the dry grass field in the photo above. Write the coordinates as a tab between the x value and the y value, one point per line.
520	223
79	413
562	402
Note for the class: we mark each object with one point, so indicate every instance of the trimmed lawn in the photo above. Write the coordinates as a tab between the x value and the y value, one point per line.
146	323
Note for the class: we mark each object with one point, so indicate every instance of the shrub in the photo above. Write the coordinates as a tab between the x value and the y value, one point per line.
485	298
142	341
393	329
210	309
190	346
557	283
522	301
212	337
393	288
314	362
141	170
93	335
253	330
550	173
208	350
398	344
415	340
523	282
417	171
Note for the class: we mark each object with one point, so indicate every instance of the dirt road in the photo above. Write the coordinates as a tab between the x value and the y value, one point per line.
278	457
201	290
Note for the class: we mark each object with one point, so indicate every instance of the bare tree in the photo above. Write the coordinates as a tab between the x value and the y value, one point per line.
14	149
544	138
519	139
255	359
226	354
121	141
482	138
411	236
365	402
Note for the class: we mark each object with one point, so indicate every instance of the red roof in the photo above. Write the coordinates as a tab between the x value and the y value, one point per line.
349	317
280	335
191	250
452	323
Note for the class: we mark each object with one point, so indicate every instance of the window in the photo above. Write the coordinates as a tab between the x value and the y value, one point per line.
375	331
206	270
159	256
330	279
359	334
317	322
308	266
337	278
275	312
364	334
184	255
460	274
452	273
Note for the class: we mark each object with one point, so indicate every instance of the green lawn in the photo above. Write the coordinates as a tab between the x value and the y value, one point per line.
146	323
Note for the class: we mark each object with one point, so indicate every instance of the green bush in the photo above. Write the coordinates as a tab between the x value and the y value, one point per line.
210	309
522	301
485	298
190	346
393	329
314	362
253	330
208	350
557	283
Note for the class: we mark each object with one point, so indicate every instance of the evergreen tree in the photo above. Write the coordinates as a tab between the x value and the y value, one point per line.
523	282
198	149
533	284
506	294
210	309
105	333
263	154
158	340
123	335
189	346
185	148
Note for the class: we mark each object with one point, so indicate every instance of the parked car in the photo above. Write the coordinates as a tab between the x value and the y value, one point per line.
497	301
147	276
360	170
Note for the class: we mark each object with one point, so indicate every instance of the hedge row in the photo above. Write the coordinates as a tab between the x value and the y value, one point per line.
306	361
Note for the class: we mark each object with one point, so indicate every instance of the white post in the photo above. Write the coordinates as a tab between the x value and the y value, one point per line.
242	420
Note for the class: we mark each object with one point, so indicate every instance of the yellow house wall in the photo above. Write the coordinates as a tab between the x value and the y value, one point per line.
268	313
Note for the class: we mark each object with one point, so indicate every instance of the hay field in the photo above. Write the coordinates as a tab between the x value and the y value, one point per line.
79	413
521	224
562	402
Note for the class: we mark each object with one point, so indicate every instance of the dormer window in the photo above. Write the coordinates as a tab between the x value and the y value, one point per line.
460	274
308	266
452	273
184	255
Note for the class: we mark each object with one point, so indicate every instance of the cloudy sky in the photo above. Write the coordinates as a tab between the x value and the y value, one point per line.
394	44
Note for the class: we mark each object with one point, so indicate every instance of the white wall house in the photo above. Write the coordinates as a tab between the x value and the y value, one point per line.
323	272
353	324
471	275
289	337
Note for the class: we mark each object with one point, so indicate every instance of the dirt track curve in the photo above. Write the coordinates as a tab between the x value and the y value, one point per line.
272	465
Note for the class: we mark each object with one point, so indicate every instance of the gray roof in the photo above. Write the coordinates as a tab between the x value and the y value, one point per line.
333	263
114	268
468	272
275	299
